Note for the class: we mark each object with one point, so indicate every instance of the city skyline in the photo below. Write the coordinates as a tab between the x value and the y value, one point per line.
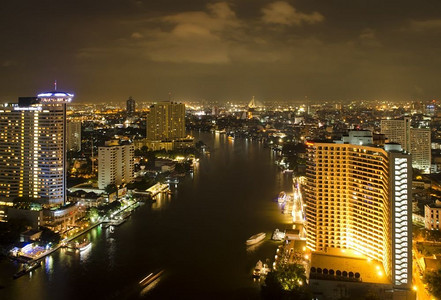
220	50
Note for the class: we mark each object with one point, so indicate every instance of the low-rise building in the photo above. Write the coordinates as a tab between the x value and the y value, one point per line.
432	214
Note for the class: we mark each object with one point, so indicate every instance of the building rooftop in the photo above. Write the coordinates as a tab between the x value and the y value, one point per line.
351	262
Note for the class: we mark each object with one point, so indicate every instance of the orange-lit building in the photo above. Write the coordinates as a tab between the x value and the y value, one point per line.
358	197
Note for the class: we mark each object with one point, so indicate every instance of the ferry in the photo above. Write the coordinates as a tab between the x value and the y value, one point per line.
282	197
256	238
150	278
258	269
85	245
26	269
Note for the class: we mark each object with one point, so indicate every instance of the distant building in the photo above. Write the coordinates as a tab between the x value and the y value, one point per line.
166	121
131	106
420	148
416	141
33	148
432	216
115	164
397	131
73	136
358	197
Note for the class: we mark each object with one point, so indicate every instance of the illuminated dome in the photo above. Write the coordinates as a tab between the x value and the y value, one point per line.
56	96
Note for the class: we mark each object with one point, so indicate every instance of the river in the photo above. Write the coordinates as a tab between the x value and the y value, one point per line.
197	235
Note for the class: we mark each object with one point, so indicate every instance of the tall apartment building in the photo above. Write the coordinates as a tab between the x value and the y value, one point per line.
73	136
420	148
33	148
416	141
358	197
166	121
115	164
131	106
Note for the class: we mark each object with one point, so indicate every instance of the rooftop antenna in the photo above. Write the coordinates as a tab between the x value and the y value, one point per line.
169	96
55	85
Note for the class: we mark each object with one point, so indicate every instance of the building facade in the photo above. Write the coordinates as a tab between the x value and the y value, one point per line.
115	164
416	141
166	121
131	106
420	148
358	198
73	136
432	216
33	148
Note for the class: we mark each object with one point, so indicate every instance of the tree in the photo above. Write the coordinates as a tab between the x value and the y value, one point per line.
287	282
433	281
111	188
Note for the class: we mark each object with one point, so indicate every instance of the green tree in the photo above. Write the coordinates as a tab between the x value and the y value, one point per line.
433	281
111	188
287	282
93	214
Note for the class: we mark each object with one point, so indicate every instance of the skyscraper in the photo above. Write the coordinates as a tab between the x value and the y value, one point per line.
166	121
131	106
416	141
397	131
358	197
115	164
33	148
73	137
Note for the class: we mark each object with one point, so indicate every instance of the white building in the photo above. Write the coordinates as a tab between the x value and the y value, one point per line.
115	164
432	216
33	149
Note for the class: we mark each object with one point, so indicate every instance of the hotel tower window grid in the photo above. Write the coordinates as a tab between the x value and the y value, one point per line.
350	204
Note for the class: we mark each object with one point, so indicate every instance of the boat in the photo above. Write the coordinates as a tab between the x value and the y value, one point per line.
26	269
231	138
150	278
258	269
282	197
256	238
85	245
278	235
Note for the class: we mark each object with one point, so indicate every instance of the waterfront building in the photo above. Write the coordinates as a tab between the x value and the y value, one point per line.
166	121
131	106
358	197
432	216
33	148
416	141
73	136
115	164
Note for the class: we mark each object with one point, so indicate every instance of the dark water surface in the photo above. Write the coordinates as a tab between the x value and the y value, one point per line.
197	236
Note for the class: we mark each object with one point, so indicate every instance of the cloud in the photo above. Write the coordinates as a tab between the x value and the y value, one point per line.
136	35
281	12
426	25
368	37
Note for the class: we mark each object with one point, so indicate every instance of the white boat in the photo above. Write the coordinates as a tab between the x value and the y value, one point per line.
258	269
256	238
282	197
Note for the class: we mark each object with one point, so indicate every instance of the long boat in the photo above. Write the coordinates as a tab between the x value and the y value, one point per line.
256	238
27	269
150	278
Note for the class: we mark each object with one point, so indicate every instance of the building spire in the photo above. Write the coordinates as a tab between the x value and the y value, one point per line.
55	85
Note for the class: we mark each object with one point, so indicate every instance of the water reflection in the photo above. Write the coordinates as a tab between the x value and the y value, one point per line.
48	264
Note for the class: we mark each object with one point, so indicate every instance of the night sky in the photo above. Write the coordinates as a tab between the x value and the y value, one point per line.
288	50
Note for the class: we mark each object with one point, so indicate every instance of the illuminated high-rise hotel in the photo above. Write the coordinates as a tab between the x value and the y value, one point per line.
358	197
33	148
166	121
